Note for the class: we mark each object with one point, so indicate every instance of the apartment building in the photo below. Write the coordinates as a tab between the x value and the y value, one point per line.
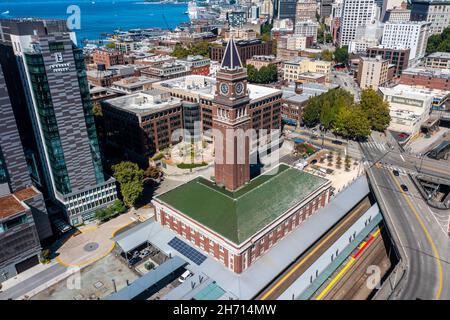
372	72
438	60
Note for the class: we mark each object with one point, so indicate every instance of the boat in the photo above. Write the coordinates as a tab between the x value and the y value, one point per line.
5	13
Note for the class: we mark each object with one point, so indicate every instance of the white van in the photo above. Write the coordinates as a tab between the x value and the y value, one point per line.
184	276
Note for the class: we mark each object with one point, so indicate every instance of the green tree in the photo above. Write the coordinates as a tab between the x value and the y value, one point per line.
311	113
110	45
131	191
326	55
376	109
439	42
180	52
129	176
341	54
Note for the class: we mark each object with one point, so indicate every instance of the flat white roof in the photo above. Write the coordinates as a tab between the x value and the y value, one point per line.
205	86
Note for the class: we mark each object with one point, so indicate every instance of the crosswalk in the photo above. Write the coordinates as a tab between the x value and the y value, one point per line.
375	145
401	171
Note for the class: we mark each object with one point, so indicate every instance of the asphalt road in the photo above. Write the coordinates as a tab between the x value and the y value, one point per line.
33	282
418	233
377	149
346	82
423	244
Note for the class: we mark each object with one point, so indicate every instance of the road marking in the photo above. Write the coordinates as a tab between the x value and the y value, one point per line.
427	234
301	262
401	156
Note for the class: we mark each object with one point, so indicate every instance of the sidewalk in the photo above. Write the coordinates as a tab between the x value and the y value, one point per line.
8	284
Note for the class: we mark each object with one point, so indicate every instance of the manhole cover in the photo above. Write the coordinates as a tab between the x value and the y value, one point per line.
91	246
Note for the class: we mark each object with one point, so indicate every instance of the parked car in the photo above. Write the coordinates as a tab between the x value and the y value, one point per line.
336	142
396	173
184	276
404	188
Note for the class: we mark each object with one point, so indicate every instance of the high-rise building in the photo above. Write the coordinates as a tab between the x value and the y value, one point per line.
21	205
306	10
57	92
355	13
435	11
326	8
411	35
285	9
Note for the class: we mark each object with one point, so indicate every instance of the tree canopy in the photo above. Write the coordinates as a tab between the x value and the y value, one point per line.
335	110
130	179
201	48
376	109
439	42
266	74
341	54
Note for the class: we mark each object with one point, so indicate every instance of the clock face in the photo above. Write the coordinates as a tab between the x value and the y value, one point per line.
239	88
224	88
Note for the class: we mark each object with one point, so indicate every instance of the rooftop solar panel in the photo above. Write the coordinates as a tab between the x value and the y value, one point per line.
187	251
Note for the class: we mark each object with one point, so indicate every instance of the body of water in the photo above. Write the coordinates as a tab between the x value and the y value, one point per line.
100	16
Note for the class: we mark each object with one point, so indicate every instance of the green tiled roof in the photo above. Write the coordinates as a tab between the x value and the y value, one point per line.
240	214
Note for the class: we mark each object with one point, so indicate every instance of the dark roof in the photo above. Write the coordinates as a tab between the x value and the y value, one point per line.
231	59
144	283
240	214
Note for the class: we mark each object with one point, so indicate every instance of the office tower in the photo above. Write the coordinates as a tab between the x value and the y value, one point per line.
355	13
19	200
326	8
52	69
285	9
435	11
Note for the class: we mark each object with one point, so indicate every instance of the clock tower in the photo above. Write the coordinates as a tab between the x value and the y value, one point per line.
231	122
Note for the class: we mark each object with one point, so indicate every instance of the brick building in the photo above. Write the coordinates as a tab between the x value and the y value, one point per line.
235	219
141	124
246	48
196	64
429	78
399	57
108	57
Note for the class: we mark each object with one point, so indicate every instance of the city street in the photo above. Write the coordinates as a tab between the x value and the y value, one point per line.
347	82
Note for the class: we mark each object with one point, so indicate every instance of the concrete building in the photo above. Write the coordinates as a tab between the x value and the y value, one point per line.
413	35
306	10
437	12
240	34
438	60
307	29
142	123
372	72
132	84
366	36
408	108
355	13
166	71
52	69
264	61
389	5
236	19
294	42
295	67
397	57
238	219
326	7
398	14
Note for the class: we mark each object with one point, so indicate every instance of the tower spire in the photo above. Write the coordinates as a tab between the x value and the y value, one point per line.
231	59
